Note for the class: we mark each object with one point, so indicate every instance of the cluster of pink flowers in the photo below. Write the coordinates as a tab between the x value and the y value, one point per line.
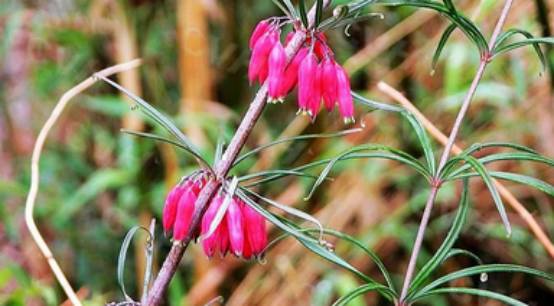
313	68
242	230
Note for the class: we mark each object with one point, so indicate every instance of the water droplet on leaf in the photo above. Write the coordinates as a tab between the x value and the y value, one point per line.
484	277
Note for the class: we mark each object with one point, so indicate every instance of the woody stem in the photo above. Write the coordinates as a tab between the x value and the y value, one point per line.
169	267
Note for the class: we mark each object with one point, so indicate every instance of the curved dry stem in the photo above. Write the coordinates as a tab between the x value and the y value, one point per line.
35	175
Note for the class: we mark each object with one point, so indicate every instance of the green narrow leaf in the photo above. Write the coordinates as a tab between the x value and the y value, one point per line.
309	242
303	14
154	114
290	8
123	255
442	42
498	49
442	253
423	140
375	105
479	270
281	173
466	25
155	137
358	5
280	4
505	156
517	178
482	171
290	210
416	125
479	292
344	300
290	139
356	243
350	20
480	146
456	252
318	12
348	154
449	5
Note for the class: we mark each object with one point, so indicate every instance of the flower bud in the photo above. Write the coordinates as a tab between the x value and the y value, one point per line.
307	75
346	104
255	228
291	72
185	210
234	221
276	70
257	68
213	242
329	84
170	207
260	29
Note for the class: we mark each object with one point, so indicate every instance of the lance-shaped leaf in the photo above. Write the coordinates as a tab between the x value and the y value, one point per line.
123	256
287	7
523	156
487	179
294	138
344	300
318	12
153	113
446	247
180	145
478	292
303	13
309	242
442	42
355	242
388	153
481	270
500	48
517	178
449	11
420	131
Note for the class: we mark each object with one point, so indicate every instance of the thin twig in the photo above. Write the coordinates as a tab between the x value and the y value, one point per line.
35	175
448	148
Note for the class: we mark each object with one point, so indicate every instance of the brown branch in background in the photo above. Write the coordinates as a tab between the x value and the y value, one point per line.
541	236
35	174
195	80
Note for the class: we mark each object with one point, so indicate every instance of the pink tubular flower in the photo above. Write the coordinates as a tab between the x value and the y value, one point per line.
185	209
329	83
170	207
276	71
234	221
307	75
260	29
254	224
215	241
315	97
257	68
346	105
291	72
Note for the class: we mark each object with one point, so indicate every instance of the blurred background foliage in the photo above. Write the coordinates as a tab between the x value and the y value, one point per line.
98	182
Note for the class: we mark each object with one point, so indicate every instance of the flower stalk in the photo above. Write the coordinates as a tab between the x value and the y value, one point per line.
169	267
446	153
